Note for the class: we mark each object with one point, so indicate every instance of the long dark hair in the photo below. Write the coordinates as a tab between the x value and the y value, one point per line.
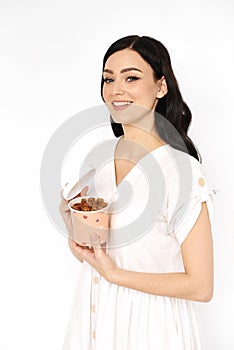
172	107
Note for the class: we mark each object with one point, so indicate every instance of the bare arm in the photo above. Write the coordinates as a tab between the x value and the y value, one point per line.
196	283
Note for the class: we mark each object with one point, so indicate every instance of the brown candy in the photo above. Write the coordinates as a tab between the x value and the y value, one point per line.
90	204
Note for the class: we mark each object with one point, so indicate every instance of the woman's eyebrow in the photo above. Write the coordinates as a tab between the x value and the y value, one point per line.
123	70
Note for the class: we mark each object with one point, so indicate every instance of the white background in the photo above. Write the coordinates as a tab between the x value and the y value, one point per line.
50	69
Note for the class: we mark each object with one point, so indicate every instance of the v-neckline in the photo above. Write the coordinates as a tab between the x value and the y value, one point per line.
134	166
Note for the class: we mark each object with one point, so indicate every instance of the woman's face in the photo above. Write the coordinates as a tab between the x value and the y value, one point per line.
129	81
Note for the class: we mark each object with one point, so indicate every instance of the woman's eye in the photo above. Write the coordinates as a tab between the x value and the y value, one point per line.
132	78
107	80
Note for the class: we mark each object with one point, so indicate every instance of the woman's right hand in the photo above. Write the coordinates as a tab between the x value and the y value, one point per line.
66	215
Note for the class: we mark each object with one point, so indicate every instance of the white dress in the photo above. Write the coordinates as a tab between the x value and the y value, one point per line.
106	316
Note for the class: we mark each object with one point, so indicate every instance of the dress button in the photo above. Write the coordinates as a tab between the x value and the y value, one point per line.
94	335
95	280
93	308
201	181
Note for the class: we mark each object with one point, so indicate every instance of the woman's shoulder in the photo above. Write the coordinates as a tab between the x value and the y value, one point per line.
178	166
171	159
184	172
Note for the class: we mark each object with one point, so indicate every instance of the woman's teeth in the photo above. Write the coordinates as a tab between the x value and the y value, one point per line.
121	103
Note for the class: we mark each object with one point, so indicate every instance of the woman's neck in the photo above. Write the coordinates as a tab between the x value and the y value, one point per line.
149	138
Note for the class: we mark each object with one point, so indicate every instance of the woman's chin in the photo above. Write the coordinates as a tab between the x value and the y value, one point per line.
131	114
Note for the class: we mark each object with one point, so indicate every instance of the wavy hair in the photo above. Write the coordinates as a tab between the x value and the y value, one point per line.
172	107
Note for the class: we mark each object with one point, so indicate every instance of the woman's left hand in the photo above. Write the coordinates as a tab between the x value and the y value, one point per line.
98	259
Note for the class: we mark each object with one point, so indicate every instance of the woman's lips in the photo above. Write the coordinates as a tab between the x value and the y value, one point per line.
121	105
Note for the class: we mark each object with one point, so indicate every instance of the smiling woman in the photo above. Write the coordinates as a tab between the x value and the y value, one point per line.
139	295
154	59
128	84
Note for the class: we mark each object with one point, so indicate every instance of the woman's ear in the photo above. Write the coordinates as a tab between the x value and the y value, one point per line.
162	87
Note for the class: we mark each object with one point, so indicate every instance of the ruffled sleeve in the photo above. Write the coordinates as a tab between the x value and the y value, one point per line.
185	201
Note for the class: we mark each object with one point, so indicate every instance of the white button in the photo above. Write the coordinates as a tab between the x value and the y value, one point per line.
201	181
95	280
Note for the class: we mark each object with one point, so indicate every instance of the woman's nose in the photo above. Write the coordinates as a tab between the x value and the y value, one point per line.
117	88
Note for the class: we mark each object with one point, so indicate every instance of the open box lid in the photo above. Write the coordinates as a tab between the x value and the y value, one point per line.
73	188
